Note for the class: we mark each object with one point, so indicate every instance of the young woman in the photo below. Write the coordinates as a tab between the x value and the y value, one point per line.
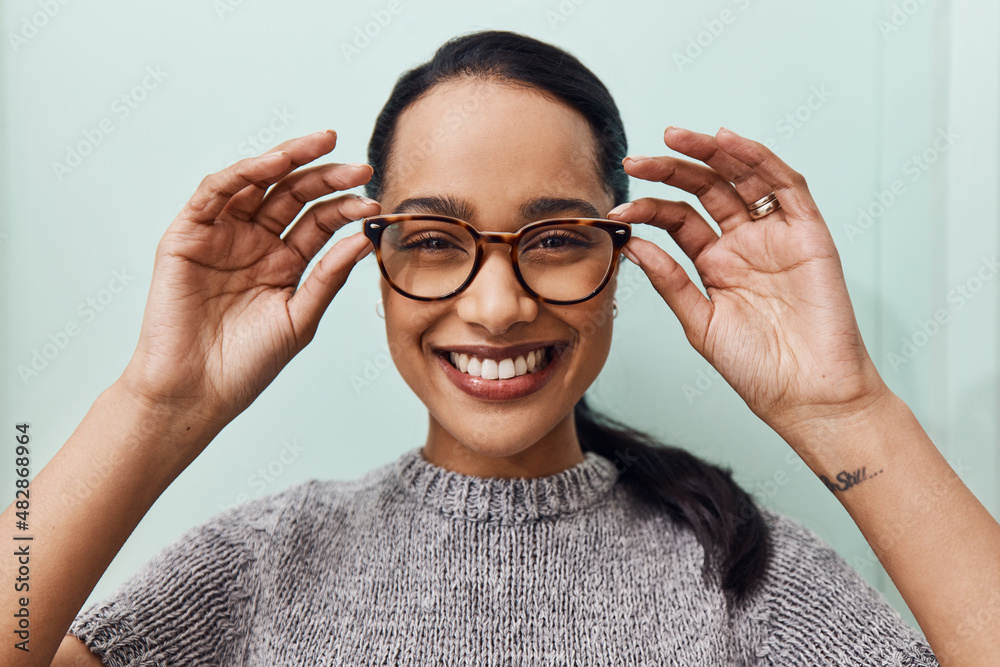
527	529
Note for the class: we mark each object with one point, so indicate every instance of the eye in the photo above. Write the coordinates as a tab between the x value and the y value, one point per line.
556	239
431	242
428	241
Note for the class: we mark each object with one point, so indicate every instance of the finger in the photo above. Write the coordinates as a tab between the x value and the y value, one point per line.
789	185
716	194
292	193
311	232
692	234
301	150
671	281
704	147
218	189
312	298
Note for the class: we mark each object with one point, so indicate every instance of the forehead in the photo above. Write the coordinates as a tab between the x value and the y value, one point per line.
493	145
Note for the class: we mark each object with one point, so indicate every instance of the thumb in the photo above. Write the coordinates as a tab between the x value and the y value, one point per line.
313	297
671	281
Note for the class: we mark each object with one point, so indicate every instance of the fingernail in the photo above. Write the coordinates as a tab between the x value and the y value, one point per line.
621	208
333	132
366	200
358	165
725	131
272	156
636	158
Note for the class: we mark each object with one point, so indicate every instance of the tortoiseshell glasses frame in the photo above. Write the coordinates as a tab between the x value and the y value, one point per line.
619	233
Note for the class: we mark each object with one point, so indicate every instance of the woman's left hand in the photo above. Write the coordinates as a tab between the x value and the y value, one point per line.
778	323
779	326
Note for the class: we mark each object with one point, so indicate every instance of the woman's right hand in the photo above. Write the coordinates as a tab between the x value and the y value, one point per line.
224	313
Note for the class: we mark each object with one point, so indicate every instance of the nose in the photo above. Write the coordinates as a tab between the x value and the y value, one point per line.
496	300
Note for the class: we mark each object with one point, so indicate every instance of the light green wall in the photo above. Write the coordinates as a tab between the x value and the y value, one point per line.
881	77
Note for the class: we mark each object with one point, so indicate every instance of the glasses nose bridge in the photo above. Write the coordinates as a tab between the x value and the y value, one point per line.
507	238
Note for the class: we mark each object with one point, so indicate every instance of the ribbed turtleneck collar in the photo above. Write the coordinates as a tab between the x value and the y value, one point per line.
506	501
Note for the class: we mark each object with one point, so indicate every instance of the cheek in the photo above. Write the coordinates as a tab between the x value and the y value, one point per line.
398	334
593	327
406	323
397	343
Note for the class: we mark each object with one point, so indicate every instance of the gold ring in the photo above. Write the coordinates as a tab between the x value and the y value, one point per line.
764	205
763	200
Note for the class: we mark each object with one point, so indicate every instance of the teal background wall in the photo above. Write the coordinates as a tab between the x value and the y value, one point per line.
890	109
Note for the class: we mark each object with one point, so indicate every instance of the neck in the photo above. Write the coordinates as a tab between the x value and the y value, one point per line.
557	450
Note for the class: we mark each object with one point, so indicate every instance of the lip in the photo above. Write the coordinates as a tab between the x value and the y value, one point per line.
499	390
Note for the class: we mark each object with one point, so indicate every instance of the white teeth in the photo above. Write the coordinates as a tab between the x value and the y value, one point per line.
490	371
502	369
520	366
460	361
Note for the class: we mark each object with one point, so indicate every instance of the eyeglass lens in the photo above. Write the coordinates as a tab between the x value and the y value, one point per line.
430	258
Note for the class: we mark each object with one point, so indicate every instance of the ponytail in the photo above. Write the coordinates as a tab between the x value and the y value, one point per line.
694	493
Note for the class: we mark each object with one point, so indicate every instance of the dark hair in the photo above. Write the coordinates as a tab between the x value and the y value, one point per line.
694	493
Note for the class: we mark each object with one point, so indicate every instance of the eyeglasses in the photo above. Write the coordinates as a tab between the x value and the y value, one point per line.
432	257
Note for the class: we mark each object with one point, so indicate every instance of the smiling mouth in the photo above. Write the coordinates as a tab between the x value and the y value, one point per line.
501	369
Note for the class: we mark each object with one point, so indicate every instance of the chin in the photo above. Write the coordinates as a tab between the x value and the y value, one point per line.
492	445
507	435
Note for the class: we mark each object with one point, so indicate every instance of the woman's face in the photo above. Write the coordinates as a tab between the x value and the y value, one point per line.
491	150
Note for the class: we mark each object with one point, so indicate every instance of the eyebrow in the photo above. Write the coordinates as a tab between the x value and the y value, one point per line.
533	209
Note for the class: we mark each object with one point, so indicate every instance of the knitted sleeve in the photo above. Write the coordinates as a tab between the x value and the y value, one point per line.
814	609
191	604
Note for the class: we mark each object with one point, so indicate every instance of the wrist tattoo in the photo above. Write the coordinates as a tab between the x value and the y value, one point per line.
848	479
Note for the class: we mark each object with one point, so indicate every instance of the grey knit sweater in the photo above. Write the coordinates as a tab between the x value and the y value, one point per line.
416	565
